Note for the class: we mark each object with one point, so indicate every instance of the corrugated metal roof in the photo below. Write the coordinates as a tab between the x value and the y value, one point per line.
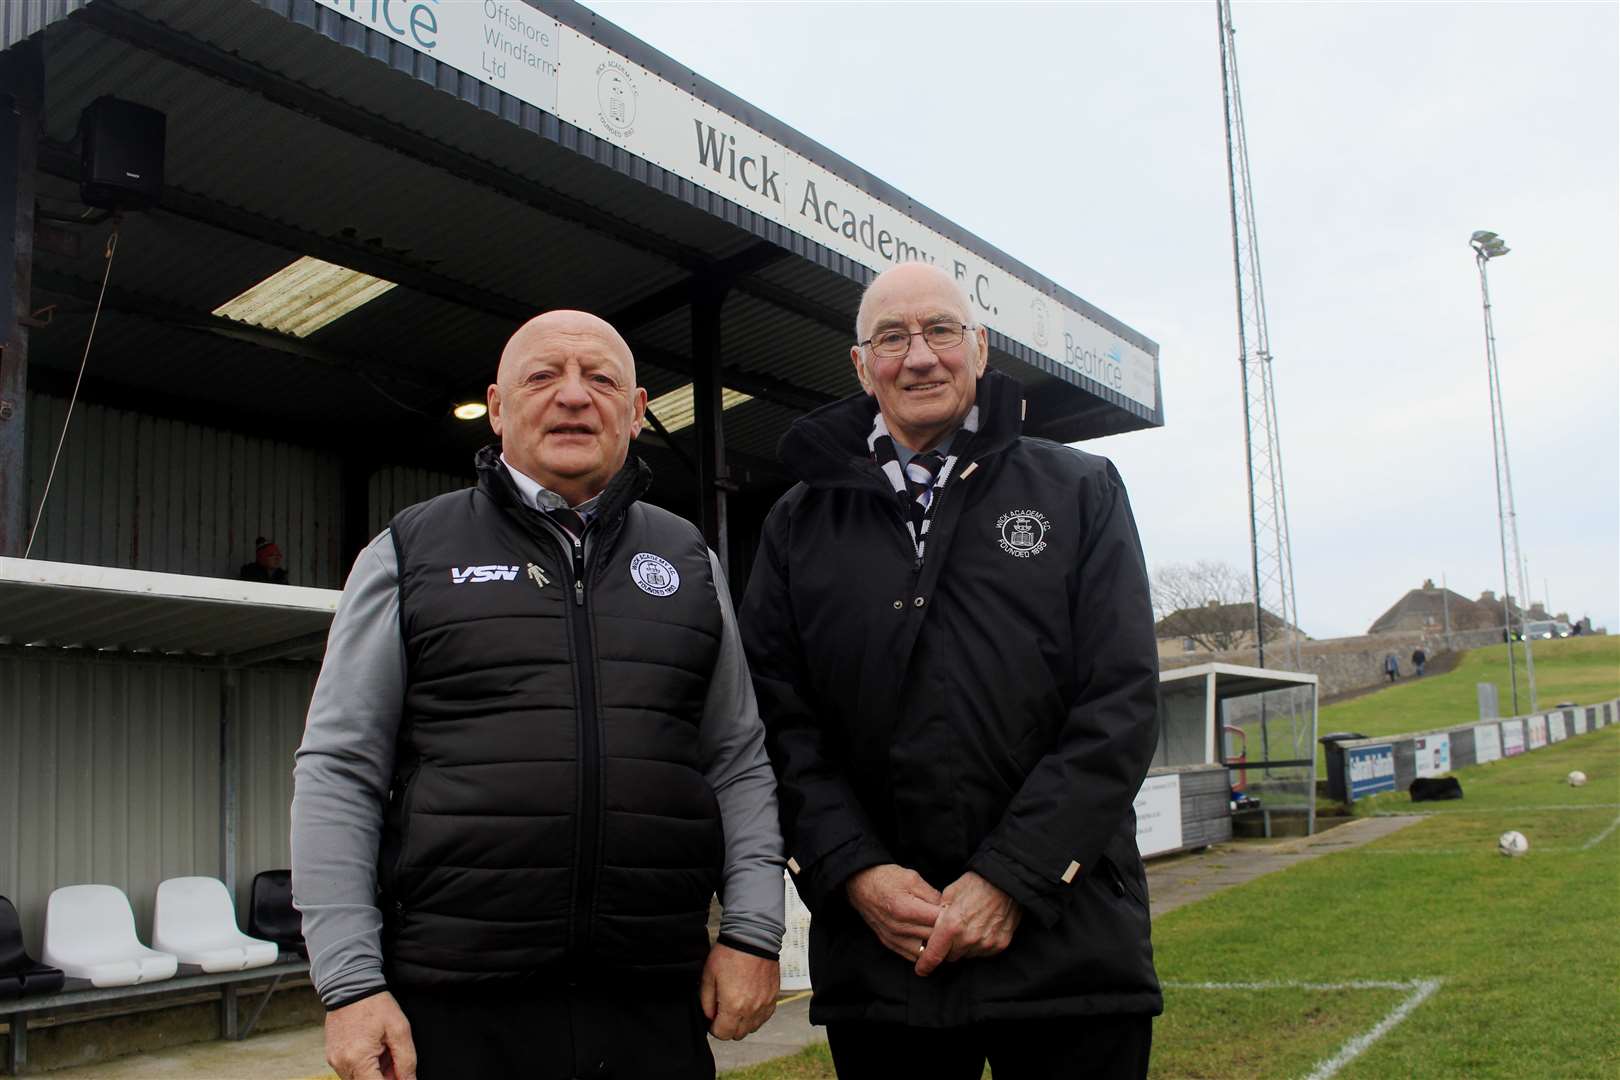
482	255
480	106
69	605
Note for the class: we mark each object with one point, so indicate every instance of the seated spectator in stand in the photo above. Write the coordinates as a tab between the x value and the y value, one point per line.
266	564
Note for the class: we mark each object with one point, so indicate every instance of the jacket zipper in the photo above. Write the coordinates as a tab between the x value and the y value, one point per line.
590	823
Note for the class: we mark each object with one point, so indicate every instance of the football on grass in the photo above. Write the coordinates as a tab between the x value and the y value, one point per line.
1513	843
1577	778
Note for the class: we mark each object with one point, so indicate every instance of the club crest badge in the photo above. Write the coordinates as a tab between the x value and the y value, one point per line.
1023	532
654	574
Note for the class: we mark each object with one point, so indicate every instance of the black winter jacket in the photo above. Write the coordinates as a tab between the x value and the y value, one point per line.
550	817
993	709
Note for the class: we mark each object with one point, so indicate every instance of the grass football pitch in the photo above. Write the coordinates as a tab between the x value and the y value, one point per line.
1424	954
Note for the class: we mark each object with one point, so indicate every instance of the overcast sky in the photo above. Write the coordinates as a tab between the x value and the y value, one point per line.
1087	140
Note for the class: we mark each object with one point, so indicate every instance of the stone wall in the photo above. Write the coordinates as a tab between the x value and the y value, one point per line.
1346	664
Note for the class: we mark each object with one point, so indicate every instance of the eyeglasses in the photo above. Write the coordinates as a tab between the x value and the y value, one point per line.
939	336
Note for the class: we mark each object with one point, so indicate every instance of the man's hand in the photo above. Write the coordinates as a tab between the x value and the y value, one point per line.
978	920
370	1040
899	906
738	992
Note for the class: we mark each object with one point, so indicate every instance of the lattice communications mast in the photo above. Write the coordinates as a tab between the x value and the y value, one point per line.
1271	557
1487	246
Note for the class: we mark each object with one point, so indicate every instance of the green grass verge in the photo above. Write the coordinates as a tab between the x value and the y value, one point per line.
814	1062
1527	950
1584	670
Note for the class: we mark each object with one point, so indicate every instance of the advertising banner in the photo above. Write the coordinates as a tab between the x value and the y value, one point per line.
1371	769
1578	722
559	70
1538	732
1158	814
1556	731
1512	737
1432	754
1487	743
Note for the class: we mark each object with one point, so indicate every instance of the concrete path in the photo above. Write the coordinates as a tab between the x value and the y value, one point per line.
299	1053
1185	879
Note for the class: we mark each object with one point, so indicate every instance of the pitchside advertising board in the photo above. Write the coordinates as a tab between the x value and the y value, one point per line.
1512	737
1556	732
558	70
1538	732
1487	743
1371	769
1432	755
1578	722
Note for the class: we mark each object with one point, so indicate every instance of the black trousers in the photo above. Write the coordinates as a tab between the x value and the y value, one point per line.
581	1032
1067	1048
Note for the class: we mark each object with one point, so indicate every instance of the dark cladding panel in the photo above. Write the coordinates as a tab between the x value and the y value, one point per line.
146	493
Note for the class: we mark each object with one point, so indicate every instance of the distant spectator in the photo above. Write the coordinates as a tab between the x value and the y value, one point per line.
266	564
1419	658
1392	666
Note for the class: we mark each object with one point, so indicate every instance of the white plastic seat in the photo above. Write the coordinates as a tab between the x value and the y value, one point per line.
90	934
195	920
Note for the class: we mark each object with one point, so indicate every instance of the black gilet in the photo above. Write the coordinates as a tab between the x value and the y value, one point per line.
549	816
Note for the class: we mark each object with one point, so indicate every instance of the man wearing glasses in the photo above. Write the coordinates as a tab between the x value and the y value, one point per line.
951	639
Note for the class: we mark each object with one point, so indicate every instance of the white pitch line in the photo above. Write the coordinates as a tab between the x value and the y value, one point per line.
1540	849
1353	984
1423	990
1602	836
1496	809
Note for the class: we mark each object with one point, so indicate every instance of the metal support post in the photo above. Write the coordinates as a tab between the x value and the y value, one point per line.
227	1012
22	89
354	524
714	478
257	1012
229	707
17	1044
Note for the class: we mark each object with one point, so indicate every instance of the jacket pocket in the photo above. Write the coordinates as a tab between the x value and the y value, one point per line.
1120	883
396	869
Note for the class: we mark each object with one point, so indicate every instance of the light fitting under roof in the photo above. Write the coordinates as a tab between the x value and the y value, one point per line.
301	298
470	410
675	409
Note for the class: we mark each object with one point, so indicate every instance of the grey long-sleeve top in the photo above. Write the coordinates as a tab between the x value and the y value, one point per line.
345	765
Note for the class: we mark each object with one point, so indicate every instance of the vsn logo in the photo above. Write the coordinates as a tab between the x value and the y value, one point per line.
460	575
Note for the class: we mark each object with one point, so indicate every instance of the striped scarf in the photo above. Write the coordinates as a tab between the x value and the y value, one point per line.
918	500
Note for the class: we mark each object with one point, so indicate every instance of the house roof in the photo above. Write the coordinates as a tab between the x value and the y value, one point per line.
1213	616
1436	605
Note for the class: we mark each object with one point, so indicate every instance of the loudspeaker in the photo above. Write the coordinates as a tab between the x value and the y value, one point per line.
121	154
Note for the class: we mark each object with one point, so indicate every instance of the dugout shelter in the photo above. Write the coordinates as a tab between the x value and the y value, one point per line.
359	201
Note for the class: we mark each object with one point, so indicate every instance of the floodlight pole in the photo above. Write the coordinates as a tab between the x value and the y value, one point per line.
1487	246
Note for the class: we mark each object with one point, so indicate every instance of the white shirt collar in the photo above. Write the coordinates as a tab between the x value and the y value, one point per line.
542	498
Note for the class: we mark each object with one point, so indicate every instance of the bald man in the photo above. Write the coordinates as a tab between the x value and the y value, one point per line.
949	629
532	758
